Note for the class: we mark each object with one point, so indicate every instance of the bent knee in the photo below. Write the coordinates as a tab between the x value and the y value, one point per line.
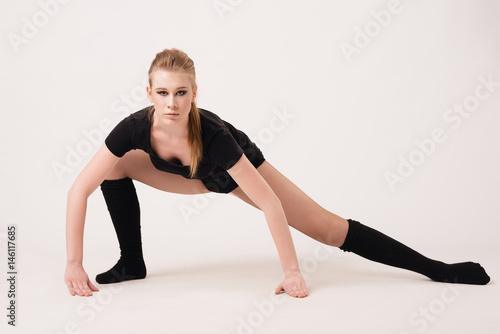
116	173
120	169
128	165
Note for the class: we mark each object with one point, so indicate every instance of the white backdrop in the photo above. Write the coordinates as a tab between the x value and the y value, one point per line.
382	111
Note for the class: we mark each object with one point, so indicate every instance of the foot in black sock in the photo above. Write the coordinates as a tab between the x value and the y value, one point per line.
376	246
465	272
123	270
123	206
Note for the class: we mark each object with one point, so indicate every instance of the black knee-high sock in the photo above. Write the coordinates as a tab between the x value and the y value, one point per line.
123	206
376	246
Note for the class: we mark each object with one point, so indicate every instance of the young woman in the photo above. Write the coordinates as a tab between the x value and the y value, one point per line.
176	147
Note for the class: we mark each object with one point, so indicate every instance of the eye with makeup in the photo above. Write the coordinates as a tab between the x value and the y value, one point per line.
164	93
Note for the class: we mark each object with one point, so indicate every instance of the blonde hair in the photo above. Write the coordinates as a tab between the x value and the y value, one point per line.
178	61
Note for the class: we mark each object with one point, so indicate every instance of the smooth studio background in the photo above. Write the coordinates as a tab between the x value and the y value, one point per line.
78	68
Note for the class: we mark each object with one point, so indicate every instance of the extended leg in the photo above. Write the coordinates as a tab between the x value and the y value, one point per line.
376	246
307	216
123	206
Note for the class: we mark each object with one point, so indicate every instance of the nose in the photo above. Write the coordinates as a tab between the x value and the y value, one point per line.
171	103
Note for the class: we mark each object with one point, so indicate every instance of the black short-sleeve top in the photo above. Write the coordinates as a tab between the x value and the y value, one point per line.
223	146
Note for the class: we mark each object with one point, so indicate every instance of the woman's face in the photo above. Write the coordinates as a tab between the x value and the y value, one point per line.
172	94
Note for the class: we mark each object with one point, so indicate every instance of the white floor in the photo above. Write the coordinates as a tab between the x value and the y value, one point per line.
215	291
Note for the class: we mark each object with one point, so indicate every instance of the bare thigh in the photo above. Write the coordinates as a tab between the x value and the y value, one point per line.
137	165
302	213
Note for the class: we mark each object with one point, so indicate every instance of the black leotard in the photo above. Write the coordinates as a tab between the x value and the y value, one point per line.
223	146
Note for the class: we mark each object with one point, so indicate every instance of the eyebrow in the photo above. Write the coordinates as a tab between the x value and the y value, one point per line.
167	89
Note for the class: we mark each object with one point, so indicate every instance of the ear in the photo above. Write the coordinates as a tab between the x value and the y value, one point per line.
149	92
194	93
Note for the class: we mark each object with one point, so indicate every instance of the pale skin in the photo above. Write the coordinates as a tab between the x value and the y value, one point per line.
281	201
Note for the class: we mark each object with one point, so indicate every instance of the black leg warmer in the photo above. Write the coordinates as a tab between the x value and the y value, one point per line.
123	206
378	247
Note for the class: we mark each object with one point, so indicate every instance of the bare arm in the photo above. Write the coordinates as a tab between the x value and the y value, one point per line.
259	191
89	179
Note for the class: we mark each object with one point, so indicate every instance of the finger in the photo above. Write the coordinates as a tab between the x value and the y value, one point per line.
87	289
302	291
92	287
83	289
293	292
78	291
71	291
278	289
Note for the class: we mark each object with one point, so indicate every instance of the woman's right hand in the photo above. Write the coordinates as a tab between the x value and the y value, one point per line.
86	183
78	281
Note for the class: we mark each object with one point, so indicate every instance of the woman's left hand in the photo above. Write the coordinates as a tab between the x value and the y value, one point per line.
293	284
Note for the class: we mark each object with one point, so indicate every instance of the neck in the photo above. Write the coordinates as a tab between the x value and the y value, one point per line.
175	129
